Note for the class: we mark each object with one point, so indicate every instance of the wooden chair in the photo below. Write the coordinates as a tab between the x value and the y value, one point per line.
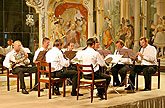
91	82
156	74
10	75
48	79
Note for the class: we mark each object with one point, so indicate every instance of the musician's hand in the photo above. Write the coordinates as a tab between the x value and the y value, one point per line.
140	54
26	55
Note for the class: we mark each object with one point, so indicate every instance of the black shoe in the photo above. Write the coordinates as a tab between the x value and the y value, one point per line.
116	84
57	92
146	89
36	89
24	91
100	95
121	85
75	94
130	88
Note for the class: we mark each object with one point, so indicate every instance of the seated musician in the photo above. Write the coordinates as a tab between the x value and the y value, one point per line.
90	56
122	67
70	46
58	62
45	45
148	61
18	61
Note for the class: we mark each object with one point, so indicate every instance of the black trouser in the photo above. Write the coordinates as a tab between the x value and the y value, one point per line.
121	69
147	71
98	75
72	74
21	70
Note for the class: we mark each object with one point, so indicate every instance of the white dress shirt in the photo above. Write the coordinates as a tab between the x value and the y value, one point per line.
123	60
56	58
37	52
10	56
90	56
149	55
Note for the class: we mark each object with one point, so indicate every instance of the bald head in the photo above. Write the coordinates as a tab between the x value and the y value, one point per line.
17	45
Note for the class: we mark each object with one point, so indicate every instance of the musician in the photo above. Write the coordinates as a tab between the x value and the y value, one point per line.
122	67
58	62
45	45
90	56
70	46
18	61
148	61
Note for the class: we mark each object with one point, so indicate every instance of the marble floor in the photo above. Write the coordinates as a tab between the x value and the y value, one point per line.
13	99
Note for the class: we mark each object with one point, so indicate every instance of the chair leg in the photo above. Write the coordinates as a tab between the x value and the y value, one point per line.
78	89
105	91
137	81
150	83
8	88
63	88
38	88
92	93
17	84
158	81
125	81
30	81
49	90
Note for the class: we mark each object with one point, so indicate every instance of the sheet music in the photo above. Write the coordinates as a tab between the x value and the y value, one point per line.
115	58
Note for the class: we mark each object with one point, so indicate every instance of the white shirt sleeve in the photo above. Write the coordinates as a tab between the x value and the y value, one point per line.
100	60
7	59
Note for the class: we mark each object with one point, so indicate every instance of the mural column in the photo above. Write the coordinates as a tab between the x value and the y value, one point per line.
90	19
146	17
100	17
127	9
122	10
160	4
137	26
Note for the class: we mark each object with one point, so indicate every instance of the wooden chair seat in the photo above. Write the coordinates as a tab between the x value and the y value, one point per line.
89	83
10	75
44	65
87	80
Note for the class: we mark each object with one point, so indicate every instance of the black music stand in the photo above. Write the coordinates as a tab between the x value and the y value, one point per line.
104	52
127	53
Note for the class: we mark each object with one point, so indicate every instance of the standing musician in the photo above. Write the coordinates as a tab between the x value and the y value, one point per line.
148	61
18	61
90	56
122	67
58	62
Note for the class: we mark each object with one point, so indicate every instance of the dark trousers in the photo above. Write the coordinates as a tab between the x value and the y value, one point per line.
98	75
21	70
72	74
121	69
147	71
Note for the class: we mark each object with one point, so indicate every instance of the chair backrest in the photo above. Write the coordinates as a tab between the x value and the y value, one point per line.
81	70
44	67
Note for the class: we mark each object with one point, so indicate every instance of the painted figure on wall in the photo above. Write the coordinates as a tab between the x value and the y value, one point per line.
75	23
58	30
159	38
108	35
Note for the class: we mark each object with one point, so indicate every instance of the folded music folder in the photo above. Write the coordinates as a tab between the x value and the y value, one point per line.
70	54
127	53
